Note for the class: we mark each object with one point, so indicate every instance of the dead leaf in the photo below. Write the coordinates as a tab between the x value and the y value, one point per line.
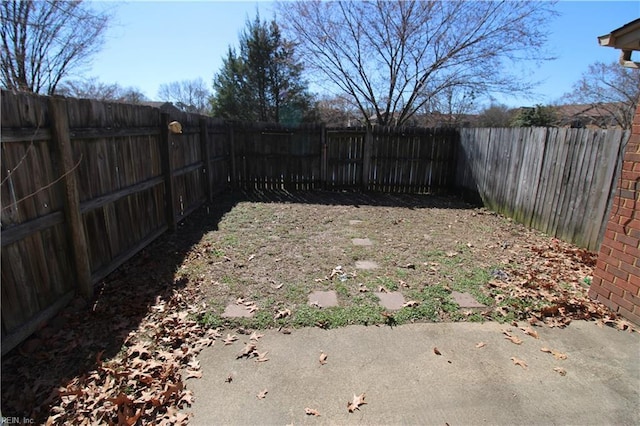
262	394
560	371
362	288
452	253
530	331
383	289
323	358
520	362
255	336
276	287
282	314
262	356
480	345
511	337
514	339
556	354
253	256
248	350
285	330
311	412
356	402
191	374
436	351
411	304
230	339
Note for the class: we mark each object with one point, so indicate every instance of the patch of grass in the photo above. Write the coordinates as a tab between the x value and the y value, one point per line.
387	282
337	316
474	282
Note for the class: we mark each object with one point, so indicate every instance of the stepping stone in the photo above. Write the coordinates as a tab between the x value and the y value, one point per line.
361	242
237	311
465	300
391	301
354	222
366	264
323	299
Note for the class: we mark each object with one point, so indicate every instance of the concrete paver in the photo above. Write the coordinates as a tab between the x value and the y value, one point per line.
323	299
405	382
233	310
366	264
465	300
391	301
361	242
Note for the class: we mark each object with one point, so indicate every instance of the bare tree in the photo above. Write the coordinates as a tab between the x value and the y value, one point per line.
337	111
496	115
92	88
44	41
611	88
188	95
393	57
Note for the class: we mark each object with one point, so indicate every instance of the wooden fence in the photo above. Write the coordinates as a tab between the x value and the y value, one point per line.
86	185
557	180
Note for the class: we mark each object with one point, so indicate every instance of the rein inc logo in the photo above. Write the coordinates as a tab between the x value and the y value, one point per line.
16	421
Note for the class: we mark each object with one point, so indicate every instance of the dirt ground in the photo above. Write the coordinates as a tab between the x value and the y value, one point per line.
274	250
123	356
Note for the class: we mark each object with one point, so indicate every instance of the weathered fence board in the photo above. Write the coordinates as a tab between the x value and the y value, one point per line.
559	181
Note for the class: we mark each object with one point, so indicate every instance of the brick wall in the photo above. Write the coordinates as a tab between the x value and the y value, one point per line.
616	279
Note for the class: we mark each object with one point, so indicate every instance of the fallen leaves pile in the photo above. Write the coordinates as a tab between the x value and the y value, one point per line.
146	381
121	361
554	279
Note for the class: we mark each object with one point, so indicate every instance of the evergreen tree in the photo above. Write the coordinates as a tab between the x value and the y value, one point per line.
263	82
538	116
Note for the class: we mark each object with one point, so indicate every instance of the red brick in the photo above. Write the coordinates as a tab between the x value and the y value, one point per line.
628	315
625	212
609	234
625	258
615	227
606	302
634	299
611	260
627	286
634	280
633	251
604	275
600	264
628	240
632	157
617	245
613	288
621	302
594	291
628	267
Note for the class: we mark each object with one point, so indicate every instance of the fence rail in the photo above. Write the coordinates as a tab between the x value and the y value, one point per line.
87	184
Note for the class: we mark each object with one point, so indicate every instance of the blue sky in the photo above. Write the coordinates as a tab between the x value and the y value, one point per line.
156	42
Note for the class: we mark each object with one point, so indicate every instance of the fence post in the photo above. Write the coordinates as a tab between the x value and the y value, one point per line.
366	157
73	217
323	156
205	153
232	154
165	156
